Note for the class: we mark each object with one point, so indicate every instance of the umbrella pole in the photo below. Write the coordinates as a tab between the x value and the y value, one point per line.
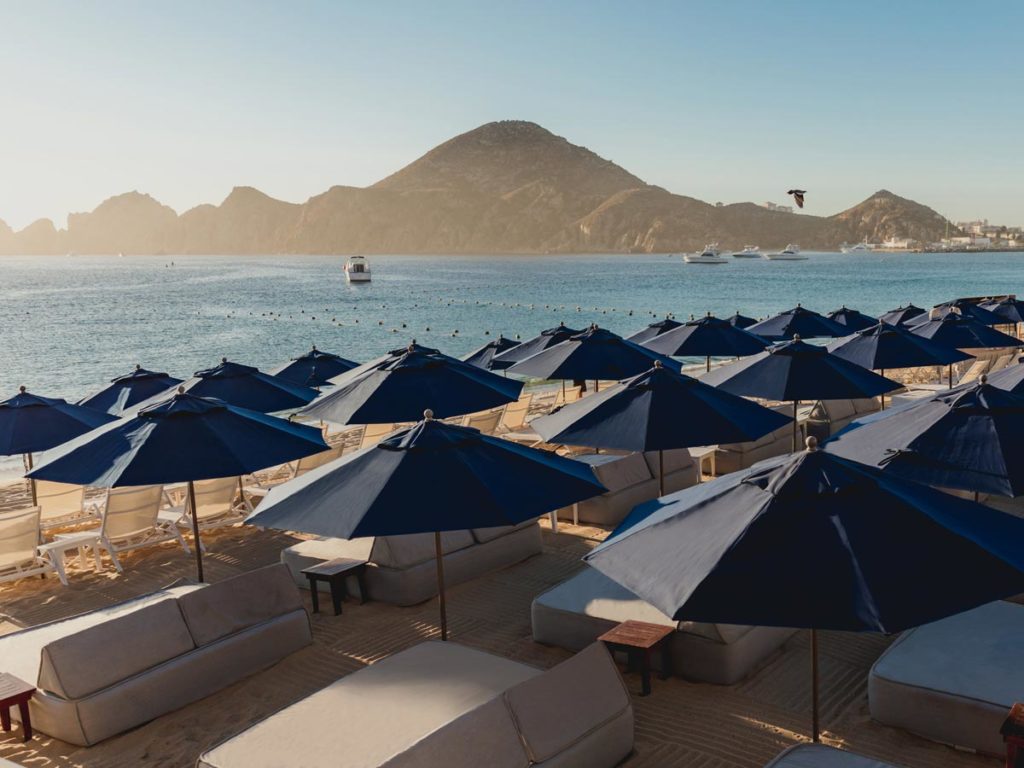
439	557
707	365
31	480
195	529
661	473
950	375
883	394
795	402
815	728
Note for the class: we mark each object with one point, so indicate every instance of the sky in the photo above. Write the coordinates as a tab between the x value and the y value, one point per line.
724	100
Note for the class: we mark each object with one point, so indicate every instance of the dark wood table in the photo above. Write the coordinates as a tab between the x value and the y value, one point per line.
334	572
13	691
639	640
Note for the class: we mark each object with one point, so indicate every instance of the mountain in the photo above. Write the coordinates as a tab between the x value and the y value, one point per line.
505	187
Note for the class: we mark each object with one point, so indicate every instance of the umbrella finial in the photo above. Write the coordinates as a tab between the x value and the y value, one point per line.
796	337
428	415
984	378
22	389
181	390
314	347
657	363
223	360
138	366
812	444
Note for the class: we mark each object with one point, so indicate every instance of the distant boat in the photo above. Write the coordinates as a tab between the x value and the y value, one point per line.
710	255
357	270
790	253
748	252
858	248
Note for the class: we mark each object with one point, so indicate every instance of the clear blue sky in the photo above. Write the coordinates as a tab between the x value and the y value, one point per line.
720	100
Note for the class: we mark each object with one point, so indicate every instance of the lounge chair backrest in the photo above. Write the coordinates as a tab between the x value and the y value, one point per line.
307	463
131	510
19	535
374	432
485	421
513	418
215	497
59	499
974	372
1001	362
572	394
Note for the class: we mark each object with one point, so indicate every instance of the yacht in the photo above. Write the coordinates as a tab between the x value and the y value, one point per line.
710	255
858	248
790	253
748	252
357	270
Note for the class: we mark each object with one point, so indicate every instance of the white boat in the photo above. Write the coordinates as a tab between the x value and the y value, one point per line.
858	248
357	270
790	253
709	255
748	252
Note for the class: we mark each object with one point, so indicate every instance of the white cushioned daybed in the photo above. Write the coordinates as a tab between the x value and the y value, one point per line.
953	681
443	705
401	569
104	672
821	756
576	612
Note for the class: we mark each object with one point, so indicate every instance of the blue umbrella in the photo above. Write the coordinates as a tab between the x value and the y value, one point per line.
967	439
405	382
181	439
657	411
596	354
851	319
817	541
484	356
313	369
741	321
884	347
245	387
795	371
969	309
538	343
654	330
708	337
902	315
962	332
128	390
31	423
429	478
1009	310
797	322
1010	378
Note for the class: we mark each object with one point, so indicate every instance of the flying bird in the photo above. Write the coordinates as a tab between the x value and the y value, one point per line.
798	195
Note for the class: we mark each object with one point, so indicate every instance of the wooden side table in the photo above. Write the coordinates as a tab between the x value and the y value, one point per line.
639	639
13	691
334	572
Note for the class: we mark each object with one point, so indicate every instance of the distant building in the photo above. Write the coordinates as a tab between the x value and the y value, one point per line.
778	208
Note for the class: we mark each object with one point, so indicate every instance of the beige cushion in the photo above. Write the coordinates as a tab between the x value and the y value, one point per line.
95	658
674	461
562	706
407	551
238	603
618	472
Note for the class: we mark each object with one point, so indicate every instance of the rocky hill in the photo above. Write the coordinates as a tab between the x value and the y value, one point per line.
505	187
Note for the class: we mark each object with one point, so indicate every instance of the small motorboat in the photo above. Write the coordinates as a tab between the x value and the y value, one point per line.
858	248
357	270
710	255
748	252
789	253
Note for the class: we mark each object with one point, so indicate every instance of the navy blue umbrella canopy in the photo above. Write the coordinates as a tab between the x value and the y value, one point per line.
967	439
181	439
970	309
1010	378
962	332
797	322
658	410
884	347
128	390
741	321
597	353
707	337
818	541
402	384
538	343
851	319
902	315
484	356
1008	310
313	369
32	423
429	478
654	330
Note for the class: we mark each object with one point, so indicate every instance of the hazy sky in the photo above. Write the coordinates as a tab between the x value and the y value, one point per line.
720	100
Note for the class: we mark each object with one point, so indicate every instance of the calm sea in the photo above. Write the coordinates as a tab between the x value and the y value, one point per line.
69	324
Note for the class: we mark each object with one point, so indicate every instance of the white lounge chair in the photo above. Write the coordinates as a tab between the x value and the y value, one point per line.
132	518
485	421
63	504
513	418
374	433
218	503
20	555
